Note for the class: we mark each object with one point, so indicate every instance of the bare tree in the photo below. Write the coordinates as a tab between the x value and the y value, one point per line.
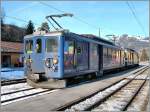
144	56
44	27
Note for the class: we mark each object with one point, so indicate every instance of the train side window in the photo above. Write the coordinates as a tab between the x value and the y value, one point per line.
105	51
109	52
29	46
79	50
94	49
69	47
38	46
115	52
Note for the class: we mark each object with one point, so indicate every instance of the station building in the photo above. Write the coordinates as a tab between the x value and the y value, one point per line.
11	54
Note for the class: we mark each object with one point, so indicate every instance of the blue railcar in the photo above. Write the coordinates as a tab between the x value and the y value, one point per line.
52	58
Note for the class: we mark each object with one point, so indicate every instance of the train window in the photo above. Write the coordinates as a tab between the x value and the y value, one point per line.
71	47
69	54
79	50
105	51
51	45
38	46
109	52
81	47
94	49
114	53
117	54
28	46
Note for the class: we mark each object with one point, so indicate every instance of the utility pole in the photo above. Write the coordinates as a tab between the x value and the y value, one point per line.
99	33
114	39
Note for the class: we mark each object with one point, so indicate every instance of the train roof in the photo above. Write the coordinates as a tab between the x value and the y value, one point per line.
88	37
129	49
97	38
43	33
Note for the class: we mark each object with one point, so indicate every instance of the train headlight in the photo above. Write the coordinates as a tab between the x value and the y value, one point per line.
30	60
25	61
48	63
55	61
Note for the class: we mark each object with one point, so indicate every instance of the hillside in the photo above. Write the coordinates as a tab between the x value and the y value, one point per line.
133	42
12	33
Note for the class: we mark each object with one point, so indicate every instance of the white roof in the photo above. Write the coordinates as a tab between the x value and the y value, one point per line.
41	33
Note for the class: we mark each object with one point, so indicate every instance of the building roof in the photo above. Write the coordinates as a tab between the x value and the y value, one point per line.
14	47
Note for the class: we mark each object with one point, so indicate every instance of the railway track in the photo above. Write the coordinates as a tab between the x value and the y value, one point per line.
116	97
14	96
12	92
20	91
15	81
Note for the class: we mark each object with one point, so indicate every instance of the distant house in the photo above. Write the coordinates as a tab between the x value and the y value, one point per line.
11	54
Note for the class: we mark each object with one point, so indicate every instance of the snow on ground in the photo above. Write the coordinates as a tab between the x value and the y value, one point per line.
12	73
14	87
142	97
147	63
119	100
90	101
141	76
25	93
12	69
19	94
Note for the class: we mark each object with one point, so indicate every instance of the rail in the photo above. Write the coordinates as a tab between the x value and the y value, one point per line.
80	100
15	81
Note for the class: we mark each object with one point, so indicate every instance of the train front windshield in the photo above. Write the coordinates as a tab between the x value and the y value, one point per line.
52	45
29	46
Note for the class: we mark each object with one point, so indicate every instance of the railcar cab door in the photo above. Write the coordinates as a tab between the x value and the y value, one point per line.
38	65
82	55
34	54
69	55
75	55
28	50
52	56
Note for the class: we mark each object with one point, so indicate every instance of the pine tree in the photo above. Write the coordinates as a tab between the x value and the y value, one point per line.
30	28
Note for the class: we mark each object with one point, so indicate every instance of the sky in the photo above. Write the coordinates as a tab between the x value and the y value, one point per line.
111	17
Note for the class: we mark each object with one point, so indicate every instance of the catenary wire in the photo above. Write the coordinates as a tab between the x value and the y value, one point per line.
136	18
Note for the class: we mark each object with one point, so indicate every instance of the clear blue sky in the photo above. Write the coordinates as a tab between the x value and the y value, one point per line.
113	17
